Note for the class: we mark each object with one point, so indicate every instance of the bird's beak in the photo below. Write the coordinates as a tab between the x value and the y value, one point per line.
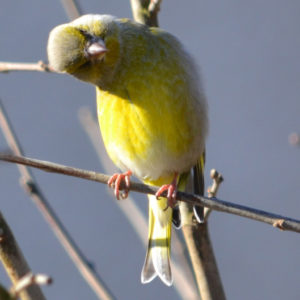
96	50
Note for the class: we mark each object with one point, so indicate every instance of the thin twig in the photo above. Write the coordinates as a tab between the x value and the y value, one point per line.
40	66
217	180
29	184
288	224
154	7
71	8
14	262
146	11
212	191
29	280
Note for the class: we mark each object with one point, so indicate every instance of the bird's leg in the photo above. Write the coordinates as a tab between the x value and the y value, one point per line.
172	190
115	181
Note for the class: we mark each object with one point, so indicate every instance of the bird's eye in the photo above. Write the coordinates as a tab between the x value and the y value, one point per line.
85	33
82	31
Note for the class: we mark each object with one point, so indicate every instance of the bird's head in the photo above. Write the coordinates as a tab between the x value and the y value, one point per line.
87	48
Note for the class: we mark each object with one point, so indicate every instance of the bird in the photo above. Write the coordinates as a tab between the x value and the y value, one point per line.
151	109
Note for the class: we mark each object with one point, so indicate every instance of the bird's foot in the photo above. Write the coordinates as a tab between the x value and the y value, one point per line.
171	192
115	182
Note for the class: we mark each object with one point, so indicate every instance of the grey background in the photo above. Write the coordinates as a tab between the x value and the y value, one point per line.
249	57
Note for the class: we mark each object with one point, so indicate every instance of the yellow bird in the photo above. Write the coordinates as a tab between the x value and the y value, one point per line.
151	108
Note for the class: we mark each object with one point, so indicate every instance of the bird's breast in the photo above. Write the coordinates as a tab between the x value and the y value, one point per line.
151	137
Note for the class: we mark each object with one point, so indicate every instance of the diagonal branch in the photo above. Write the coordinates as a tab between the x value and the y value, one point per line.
281	222
15	263
65	239
71	8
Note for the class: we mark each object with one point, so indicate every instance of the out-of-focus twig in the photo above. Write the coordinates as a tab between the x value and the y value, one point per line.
199	245
40	66
294	139
146	11
212	191
29	280
183	277
217	180
201	250
29	184
203	261
71	8
14	262
5	294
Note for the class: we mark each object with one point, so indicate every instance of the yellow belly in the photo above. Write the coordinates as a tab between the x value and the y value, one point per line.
151	138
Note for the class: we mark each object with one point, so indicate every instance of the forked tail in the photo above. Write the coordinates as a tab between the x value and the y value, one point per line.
157	261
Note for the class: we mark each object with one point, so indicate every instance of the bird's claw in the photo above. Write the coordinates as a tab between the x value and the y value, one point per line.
115	182
171	193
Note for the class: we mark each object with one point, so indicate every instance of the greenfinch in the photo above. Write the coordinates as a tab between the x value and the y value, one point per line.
151	109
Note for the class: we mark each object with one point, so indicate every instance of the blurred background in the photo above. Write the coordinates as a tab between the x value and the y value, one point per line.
248	52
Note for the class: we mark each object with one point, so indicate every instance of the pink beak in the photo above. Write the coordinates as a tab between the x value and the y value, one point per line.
96	49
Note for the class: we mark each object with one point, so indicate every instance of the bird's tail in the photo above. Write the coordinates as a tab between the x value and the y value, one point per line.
157	261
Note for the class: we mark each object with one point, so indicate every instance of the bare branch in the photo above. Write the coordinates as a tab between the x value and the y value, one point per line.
213	203
201	250
212	191
146	11
71	8
40	66
92	278
14	262
203	261
29	280
5	294
217	180
154	6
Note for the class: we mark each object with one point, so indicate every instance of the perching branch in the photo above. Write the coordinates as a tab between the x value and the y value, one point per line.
32	188
14	262
281	222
